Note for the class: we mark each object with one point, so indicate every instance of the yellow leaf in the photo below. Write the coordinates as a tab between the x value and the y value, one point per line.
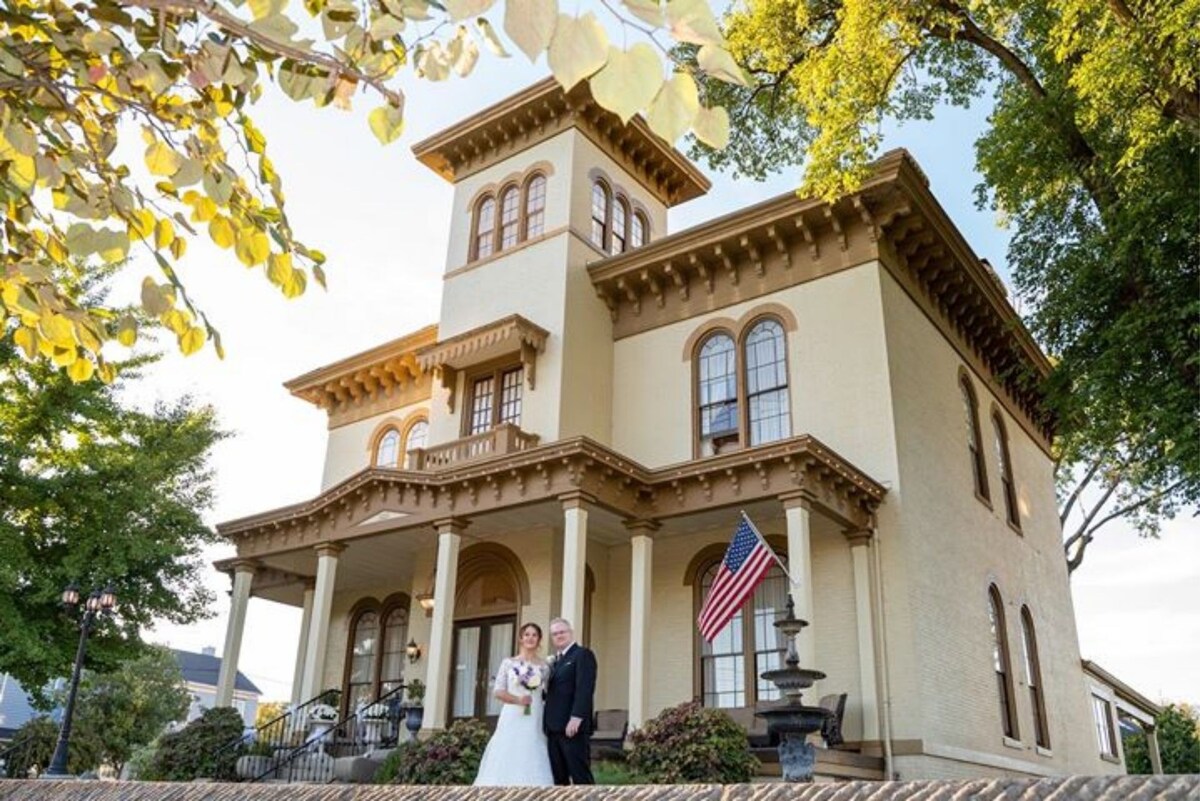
22	171
154	300
579	48
27	339
161	159
221	232
203	209
81	370
530	24
717	62
295	285
387	123
712	127
693	21
461	9
127	331
164	234
192	340
491	39
629	81
179	247
253	246
463	52
107	373
675	107
141	224
63	357
177	321
58	330
279	268
649	11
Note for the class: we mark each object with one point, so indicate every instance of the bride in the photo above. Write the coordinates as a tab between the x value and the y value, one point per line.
517	755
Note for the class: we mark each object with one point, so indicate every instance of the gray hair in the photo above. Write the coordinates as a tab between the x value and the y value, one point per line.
564	621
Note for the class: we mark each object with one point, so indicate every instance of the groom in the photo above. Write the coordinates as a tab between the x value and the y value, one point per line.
568	713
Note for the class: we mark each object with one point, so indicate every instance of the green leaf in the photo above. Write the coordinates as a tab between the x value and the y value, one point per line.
579	48
629	80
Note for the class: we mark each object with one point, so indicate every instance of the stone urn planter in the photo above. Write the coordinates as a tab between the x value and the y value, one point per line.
414	716
321	718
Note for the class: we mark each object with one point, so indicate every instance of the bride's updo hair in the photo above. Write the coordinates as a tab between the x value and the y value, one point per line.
533	626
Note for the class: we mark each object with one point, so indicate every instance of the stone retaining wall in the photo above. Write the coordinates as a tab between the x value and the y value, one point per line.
1108	788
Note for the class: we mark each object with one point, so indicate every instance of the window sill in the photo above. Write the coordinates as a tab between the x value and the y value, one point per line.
1015	528
983	499
1110	758
1046	752
1009	742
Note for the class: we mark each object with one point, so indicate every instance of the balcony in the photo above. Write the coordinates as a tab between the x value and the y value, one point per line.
503	439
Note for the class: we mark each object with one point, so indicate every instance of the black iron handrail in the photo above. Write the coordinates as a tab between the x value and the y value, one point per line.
17	748
279	732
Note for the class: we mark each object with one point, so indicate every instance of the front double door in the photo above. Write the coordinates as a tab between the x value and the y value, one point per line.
479	648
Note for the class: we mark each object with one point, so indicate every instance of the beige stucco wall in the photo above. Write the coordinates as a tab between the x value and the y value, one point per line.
348	448
949	547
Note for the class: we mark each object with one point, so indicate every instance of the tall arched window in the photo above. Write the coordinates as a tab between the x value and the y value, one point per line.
731	665
718	394
619	218
535	206
974	446
637	230
1033	680
395	639
600	211
510	217
1006	473
485	227
387	452
767	383
1001	663
364	644
418	434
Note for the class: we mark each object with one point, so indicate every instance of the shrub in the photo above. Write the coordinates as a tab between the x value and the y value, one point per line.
199	750
448	757
689	743
614	772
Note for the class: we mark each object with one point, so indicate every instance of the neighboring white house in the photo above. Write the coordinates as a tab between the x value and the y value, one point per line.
600	397
200	672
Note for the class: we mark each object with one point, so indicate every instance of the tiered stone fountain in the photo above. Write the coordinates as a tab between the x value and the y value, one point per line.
792	720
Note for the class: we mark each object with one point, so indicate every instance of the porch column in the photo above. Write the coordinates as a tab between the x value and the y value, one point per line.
640	582
318	627
575	516
441	634
302	648
797	509
860	542
243	576
1152	749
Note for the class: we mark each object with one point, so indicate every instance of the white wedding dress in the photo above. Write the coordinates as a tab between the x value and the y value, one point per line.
516	756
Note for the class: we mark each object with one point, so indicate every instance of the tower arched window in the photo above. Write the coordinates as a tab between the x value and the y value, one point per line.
974	444
620	218
767	383
387	451
535	206
485	228
1004	459
601	201
510	217
638	230
1001	663
717	393
417	436
1033	679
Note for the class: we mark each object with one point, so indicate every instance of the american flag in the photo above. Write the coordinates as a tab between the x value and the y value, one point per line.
745	564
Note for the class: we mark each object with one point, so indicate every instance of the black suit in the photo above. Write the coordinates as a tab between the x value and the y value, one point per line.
569	692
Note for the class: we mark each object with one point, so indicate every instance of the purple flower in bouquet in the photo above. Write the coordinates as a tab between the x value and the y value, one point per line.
529	677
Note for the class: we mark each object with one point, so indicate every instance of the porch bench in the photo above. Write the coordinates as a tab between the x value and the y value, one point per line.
609	727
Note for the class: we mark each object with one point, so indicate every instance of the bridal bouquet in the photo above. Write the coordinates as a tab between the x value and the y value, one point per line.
529	677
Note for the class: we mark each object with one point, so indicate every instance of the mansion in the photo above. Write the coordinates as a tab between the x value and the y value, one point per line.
601	398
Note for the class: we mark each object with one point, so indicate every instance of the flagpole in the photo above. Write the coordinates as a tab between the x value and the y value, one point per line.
767	545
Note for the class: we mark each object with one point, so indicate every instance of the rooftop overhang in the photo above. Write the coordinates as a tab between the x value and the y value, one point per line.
352	387
376	500
893	219
545	110
512	335
1132	700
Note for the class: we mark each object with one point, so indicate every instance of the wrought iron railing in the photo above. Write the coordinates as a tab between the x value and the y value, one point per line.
279	733
504	438
15	758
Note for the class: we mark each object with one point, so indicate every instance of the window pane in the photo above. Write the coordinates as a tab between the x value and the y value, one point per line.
395	638
1104	736
535	207
637	233
362	659
620	212
510	217
389	447
484	228
969	412
510	396
465	664
770	647
418	434
481	405
766	383
599	214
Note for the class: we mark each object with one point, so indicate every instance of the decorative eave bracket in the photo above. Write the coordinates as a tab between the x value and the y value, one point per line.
512	334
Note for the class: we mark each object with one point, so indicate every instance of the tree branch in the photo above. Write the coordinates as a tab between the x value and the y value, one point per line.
1083	482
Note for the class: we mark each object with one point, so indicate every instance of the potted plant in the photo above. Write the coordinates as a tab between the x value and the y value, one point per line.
373	718
321	718
414	706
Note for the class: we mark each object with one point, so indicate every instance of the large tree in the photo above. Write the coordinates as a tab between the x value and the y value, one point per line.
1178	742
1091	155
94	491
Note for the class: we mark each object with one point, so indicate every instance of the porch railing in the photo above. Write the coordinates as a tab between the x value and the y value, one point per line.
279	733
376	726
504	438
17	757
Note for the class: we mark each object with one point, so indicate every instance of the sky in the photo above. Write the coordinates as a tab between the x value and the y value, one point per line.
383	221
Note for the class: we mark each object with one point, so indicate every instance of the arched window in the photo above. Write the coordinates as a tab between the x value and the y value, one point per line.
638	227
510	217
620	215
974	446
600	211
364	645
731	665
718	394
535	206
418	434
1006	473
1001	663
1033	680
485	227
395	639
767	383
387	452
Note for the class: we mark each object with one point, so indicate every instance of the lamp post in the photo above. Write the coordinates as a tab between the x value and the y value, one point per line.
99	602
